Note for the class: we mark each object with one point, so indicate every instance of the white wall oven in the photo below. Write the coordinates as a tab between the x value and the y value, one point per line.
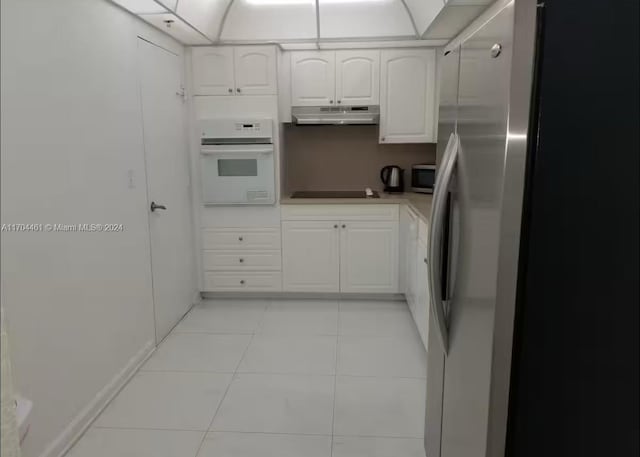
237	162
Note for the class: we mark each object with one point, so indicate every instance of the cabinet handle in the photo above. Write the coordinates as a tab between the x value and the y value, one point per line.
425	260
240	238
242	281
382	138
242	260
344	225
331	101
230	90
335	226
238	90
339	101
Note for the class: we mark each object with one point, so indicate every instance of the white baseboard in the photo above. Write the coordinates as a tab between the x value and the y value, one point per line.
61	445
304	295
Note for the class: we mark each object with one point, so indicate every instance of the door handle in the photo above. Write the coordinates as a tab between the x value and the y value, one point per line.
436	236
155	206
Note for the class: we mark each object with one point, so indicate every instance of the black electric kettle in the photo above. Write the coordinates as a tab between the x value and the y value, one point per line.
392	177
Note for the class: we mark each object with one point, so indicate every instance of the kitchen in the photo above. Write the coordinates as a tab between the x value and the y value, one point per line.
338	225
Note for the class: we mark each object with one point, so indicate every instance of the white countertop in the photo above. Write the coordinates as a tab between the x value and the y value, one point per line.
420	203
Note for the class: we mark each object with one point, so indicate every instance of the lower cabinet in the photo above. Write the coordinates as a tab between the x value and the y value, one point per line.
311	256
241	259
340	256
239	281
421	311
411	261
369	257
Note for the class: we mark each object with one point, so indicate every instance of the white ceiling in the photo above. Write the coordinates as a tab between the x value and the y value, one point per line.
312	21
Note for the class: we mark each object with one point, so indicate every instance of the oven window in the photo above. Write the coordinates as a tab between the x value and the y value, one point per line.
237	167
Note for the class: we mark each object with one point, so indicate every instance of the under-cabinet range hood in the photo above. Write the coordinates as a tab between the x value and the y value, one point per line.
335	115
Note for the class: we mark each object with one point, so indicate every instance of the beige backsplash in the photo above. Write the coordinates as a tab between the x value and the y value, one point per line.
335	157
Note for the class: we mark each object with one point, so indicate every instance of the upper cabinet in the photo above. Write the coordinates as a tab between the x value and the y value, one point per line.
213	70
242	70
313	78
407	96
358	77
255	69
321	78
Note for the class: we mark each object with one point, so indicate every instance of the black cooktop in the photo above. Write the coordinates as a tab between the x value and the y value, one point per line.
333	194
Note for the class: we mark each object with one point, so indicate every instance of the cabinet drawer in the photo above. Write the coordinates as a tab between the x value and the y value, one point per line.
241	281
241	260
241	238
345	212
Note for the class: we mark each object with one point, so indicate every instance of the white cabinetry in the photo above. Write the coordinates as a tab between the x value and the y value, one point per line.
321	78
407	96
241	259
310	253
255	70
414	269
213	70
358	77
410	251
340	248
369	257
242	70
313	78
422	307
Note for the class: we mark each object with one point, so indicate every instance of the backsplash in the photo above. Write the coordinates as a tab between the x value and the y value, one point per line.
335	157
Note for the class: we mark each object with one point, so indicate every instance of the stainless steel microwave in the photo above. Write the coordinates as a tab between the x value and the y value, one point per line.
423	178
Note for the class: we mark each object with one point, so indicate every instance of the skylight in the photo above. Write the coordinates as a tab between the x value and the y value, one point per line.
141	6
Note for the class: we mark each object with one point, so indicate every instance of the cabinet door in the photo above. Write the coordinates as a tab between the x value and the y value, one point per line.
407	96
411	268
369	257
213	70
358	77
310	259
313	78
423	298
255	70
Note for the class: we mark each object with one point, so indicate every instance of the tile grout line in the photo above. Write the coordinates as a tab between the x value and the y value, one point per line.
335	376
262	433
204	438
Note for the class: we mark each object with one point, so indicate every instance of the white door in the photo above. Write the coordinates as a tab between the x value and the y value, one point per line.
358	77
255	70
407	96
369	257
163	112
313	78
310	256
213	70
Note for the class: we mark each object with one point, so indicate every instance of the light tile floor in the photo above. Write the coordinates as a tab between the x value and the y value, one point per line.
274	378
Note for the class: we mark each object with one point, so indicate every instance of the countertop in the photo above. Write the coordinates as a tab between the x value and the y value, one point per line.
420	203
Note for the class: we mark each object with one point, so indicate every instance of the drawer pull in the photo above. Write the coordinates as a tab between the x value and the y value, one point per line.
241	260
240	238
242	281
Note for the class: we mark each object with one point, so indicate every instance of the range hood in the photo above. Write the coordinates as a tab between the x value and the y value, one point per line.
335	115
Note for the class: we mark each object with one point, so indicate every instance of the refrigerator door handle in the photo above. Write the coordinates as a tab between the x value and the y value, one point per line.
436	234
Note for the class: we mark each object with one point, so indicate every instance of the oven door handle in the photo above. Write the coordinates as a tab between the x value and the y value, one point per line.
237	152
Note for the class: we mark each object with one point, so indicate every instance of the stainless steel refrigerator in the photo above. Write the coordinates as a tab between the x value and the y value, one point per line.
479	243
